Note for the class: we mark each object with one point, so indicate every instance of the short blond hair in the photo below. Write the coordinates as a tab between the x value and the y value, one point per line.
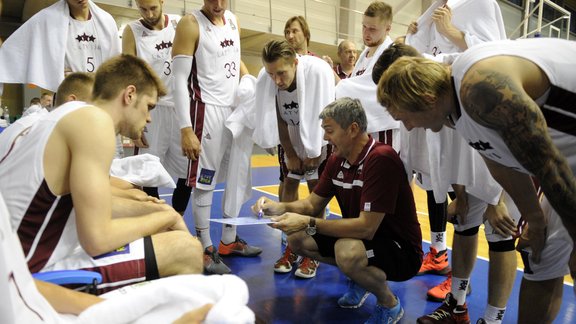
78	84
121	71
379	9
405	85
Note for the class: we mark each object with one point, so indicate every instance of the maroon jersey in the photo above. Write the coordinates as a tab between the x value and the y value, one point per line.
376	182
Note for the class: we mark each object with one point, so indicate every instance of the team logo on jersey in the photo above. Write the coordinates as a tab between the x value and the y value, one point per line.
85	38
206	176
340	175
163	45
226	43
292	105
232	26
481	146
121	250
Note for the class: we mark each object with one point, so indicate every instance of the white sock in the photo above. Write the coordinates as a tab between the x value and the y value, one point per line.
201	211
459	288
494	315
228	233
438	240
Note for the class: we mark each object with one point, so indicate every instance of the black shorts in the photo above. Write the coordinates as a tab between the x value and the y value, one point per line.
396	258
152	272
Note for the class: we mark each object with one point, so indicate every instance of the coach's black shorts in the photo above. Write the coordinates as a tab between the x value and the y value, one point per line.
396	258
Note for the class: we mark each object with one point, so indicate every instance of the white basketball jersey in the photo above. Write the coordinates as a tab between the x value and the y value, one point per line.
216	67
365	64
21	301
155	47
45	223
83	47
557	105
289	110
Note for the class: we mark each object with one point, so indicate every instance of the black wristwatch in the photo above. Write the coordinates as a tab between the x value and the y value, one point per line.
311	229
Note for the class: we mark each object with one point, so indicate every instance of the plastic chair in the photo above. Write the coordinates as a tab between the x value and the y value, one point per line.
66	277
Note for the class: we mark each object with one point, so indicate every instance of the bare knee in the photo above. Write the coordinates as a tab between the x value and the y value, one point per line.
348	260
178	252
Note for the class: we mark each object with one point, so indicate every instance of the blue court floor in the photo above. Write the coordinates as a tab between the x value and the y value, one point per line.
284	298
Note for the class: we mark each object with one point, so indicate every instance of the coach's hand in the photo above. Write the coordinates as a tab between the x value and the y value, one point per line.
190	143
290	223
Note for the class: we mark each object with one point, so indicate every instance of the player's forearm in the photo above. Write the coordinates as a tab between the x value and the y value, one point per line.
521	189
182	66
123	207
121	231
66	301
559	186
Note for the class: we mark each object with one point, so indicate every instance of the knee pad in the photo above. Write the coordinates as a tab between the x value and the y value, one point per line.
469	232
502	246
203	197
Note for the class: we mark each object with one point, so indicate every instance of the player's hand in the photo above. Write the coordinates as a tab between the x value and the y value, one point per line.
139	195
294	165
142	142
412	28
534	236
190	144
195	316
268	206
328	60
311	164
290	223
500	220
179	225
442	18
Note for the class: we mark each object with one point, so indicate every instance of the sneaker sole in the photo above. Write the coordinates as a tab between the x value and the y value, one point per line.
242	254
437	299
399	317
304	276
442	272
282	270
362	300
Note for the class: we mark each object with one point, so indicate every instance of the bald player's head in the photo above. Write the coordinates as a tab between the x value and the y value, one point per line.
77	86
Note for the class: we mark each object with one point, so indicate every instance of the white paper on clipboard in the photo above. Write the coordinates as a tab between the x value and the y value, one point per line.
239	221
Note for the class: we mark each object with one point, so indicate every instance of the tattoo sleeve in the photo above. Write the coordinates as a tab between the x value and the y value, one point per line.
496	101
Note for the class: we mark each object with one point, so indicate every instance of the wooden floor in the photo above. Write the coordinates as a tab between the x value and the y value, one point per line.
282	298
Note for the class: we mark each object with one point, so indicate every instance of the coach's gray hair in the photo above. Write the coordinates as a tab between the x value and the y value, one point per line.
346	111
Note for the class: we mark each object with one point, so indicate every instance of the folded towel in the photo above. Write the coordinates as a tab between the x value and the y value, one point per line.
143	170
165	300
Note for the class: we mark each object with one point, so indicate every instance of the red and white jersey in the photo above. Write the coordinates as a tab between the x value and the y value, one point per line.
83	46
21	301
216	67
155	47
45	223
557	104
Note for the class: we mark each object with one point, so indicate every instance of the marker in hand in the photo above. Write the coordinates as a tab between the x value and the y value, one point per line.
260	212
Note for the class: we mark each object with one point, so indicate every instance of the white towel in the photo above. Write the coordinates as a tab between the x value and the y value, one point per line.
368	70
165	300
315	91
239	177
490	27
143	170
362	87
35	52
